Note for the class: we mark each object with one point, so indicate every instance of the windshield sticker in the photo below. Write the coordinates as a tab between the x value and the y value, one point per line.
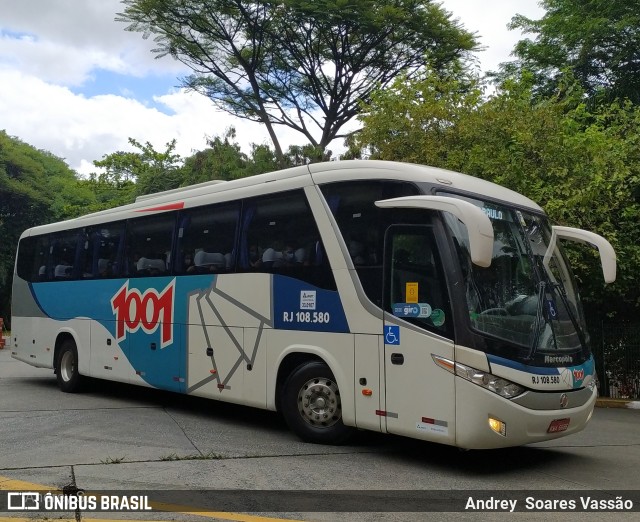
411	292
437	317
552	309
421	310
523	223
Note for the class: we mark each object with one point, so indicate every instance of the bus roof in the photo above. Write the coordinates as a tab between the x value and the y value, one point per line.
448	179
296	177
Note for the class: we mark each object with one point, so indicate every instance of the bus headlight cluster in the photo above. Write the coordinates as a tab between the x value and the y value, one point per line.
502	387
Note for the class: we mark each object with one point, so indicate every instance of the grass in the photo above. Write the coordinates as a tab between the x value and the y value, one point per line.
195	456
112	460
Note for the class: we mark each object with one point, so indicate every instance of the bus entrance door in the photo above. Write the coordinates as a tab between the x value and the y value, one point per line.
419	396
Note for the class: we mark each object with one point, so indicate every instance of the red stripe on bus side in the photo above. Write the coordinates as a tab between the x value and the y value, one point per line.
170	206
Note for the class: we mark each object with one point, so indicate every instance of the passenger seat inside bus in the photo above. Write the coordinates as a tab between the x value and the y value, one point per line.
151	267
104	267
209	261
62	271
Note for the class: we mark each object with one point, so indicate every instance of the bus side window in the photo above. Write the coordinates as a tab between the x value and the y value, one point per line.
64	263
279	235
207	239
362	224
41	254
415	288
105	245
149	240
31	263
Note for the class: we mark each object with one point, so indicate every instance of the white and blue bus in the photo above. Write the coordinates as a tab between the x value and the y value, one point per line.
347	295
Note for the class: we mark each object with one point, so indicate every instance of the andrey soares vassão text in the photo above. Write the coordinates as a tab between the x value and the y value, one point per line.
583	503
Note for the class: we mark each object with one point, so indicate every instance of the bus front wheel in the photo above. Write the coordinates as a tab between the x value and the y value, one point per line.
311	405
69	378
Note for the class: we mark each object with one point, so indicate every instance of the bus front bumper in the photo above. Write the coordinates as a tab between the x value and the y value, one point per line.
477	410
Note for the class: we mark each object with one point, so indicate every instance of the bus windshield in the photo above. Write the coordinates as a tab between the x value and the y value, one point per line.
527	296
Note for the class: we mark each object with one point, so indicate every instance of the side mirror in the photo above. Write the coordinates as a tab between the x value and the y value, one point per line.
607	253
478	224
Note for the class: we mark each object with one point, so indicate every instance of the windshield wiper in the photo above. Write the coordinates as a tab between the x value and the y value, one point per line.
540	318
546	270
563	296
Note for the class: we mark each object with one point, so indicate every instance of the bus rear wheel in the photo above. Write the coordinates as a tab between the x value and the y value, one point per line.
69	378
311	405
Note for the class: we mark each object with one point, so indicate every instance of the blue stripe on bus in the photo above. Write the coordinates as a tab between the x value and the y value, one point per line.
300	306
587	367
156	360
62	300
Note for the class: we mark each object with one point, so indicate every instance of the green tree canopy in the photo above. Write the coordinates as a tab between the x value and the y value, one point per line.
303	64
598	41
222	159
36	187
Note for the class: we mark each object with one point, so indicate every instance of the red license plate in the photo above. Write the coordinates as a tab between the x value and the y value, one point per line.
558	425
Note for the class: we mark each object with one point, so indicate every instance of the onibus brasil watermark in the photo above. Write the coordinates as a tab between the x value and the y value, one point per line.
36	501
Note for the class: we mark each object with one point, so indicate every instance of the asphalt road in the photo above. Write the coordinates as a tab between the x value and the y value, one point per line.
130	439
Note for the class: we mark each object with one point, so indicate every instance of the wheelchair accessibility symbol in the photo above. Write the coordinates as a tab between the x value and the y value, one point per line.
392	335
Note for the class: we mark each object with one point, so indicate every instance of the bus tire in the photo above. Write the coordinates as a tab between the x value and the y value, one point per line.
69	378
311	405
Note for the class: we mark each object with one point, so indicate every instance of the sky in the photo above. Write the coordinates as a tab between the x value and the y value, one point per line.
75	83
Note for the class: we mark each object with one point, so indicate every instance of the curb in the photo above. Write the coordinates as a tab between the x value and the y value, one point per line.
617	403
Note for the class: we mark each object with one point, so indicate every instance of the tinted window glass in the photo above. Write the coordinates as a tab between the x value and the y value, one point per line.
104	252
279	235
53	257
148	246
415	287
32	258
62	256
363	225
207	239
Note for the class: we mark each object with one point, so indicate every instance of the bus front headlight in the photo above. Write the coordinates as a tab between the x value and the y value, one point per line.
498	385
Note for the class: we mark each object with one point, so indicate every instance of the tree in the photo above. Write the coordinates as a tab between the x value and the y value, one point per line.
36	188
417	120
222	160
303	155
302	64
150	170
598	41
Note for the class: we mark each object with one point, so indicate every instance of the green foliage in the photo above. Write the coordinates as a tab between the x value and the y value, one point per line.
305	154
152	171
302	64
416	121
581	164
223	159
597	41
35	188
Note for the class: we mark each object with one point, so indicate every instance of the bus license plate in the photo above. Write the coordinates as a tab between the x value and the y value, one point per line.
558	425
